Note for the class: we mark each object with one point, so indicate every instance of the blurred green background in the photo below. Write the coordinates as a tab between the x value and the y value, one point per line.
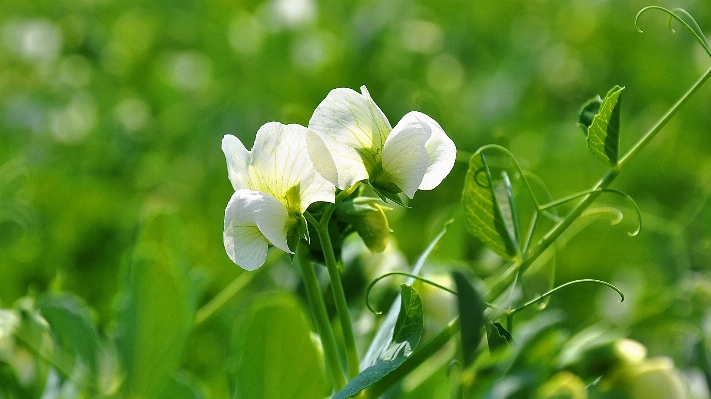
111	110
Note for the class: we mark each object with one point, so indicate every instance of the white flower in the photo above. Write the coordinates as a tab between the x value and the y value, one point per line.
274	184
350	140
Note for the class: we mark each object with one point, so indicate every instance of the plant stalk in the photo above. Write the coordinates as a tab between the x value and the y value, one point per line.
339	297
318	307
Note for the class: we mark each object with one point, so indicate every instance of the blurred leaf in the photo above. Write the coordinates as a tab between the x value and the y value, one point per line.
25	347
274	355
73	328
156	314
497	336
406	336
180	386
603	130
383	336
483	210
471	317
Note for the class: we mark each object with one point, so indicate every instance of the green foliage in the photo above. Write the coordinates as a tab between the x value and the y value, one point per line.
471	317
488	210
405	338
156	312
600	120
274	353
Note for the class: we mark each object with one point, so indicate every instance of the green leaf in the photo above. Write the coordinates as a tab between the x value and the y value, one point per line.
604	130
274	355
471	317
156	313
484	210
497	336
506	207
74	329
406	336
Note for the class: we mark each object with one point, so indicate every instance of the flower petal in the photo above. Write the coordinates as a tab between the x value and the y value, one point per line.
405	157
353	129
284	169
442	153
245	245
237	161
262	210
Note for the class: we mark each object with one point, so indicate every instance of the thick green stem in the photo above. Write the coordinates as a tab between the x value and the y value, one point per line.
553	234
418	357
318	307
339	297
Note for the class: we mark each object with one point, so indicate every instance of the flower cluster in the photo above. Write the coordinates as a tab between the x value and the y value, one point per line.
348	141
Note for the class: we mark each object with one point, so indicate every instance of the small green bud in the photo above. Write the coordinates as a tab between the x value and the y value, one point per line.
651	378
368	220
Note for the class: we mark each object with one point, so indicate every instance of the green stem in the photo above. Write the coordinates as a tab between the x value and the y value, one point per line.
318	307
424	352
558	229
339	296
224	296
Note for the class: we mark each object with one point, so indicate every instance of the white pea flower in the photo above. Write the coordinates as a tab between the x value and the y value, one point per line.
350	140
274	184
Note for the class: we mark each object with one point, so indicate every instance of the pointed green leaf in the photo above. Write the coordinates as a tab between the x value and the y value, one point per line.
274	356
503	193
604	130
471	317
483	210
497	336
406	336
156	312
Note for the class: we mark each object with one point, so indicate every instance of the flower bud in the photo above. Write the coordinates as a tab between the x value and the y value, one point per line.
651	378
368	220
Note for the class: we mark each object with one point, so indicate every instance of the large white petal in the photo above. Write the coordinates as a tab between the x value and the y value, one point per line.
284	170
405	157
264	211
244	242
353	129
245	245
237	161
442	153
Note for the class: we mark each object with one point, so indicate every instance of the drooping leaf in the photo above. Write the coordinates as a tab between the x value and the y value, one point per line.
406	336
604	130
274	355
156	312
74	330
382	337
497	336
471	317
483	211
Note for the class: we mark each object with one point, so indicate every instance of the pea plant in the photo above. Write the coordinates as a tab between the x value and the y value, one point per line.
308	191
